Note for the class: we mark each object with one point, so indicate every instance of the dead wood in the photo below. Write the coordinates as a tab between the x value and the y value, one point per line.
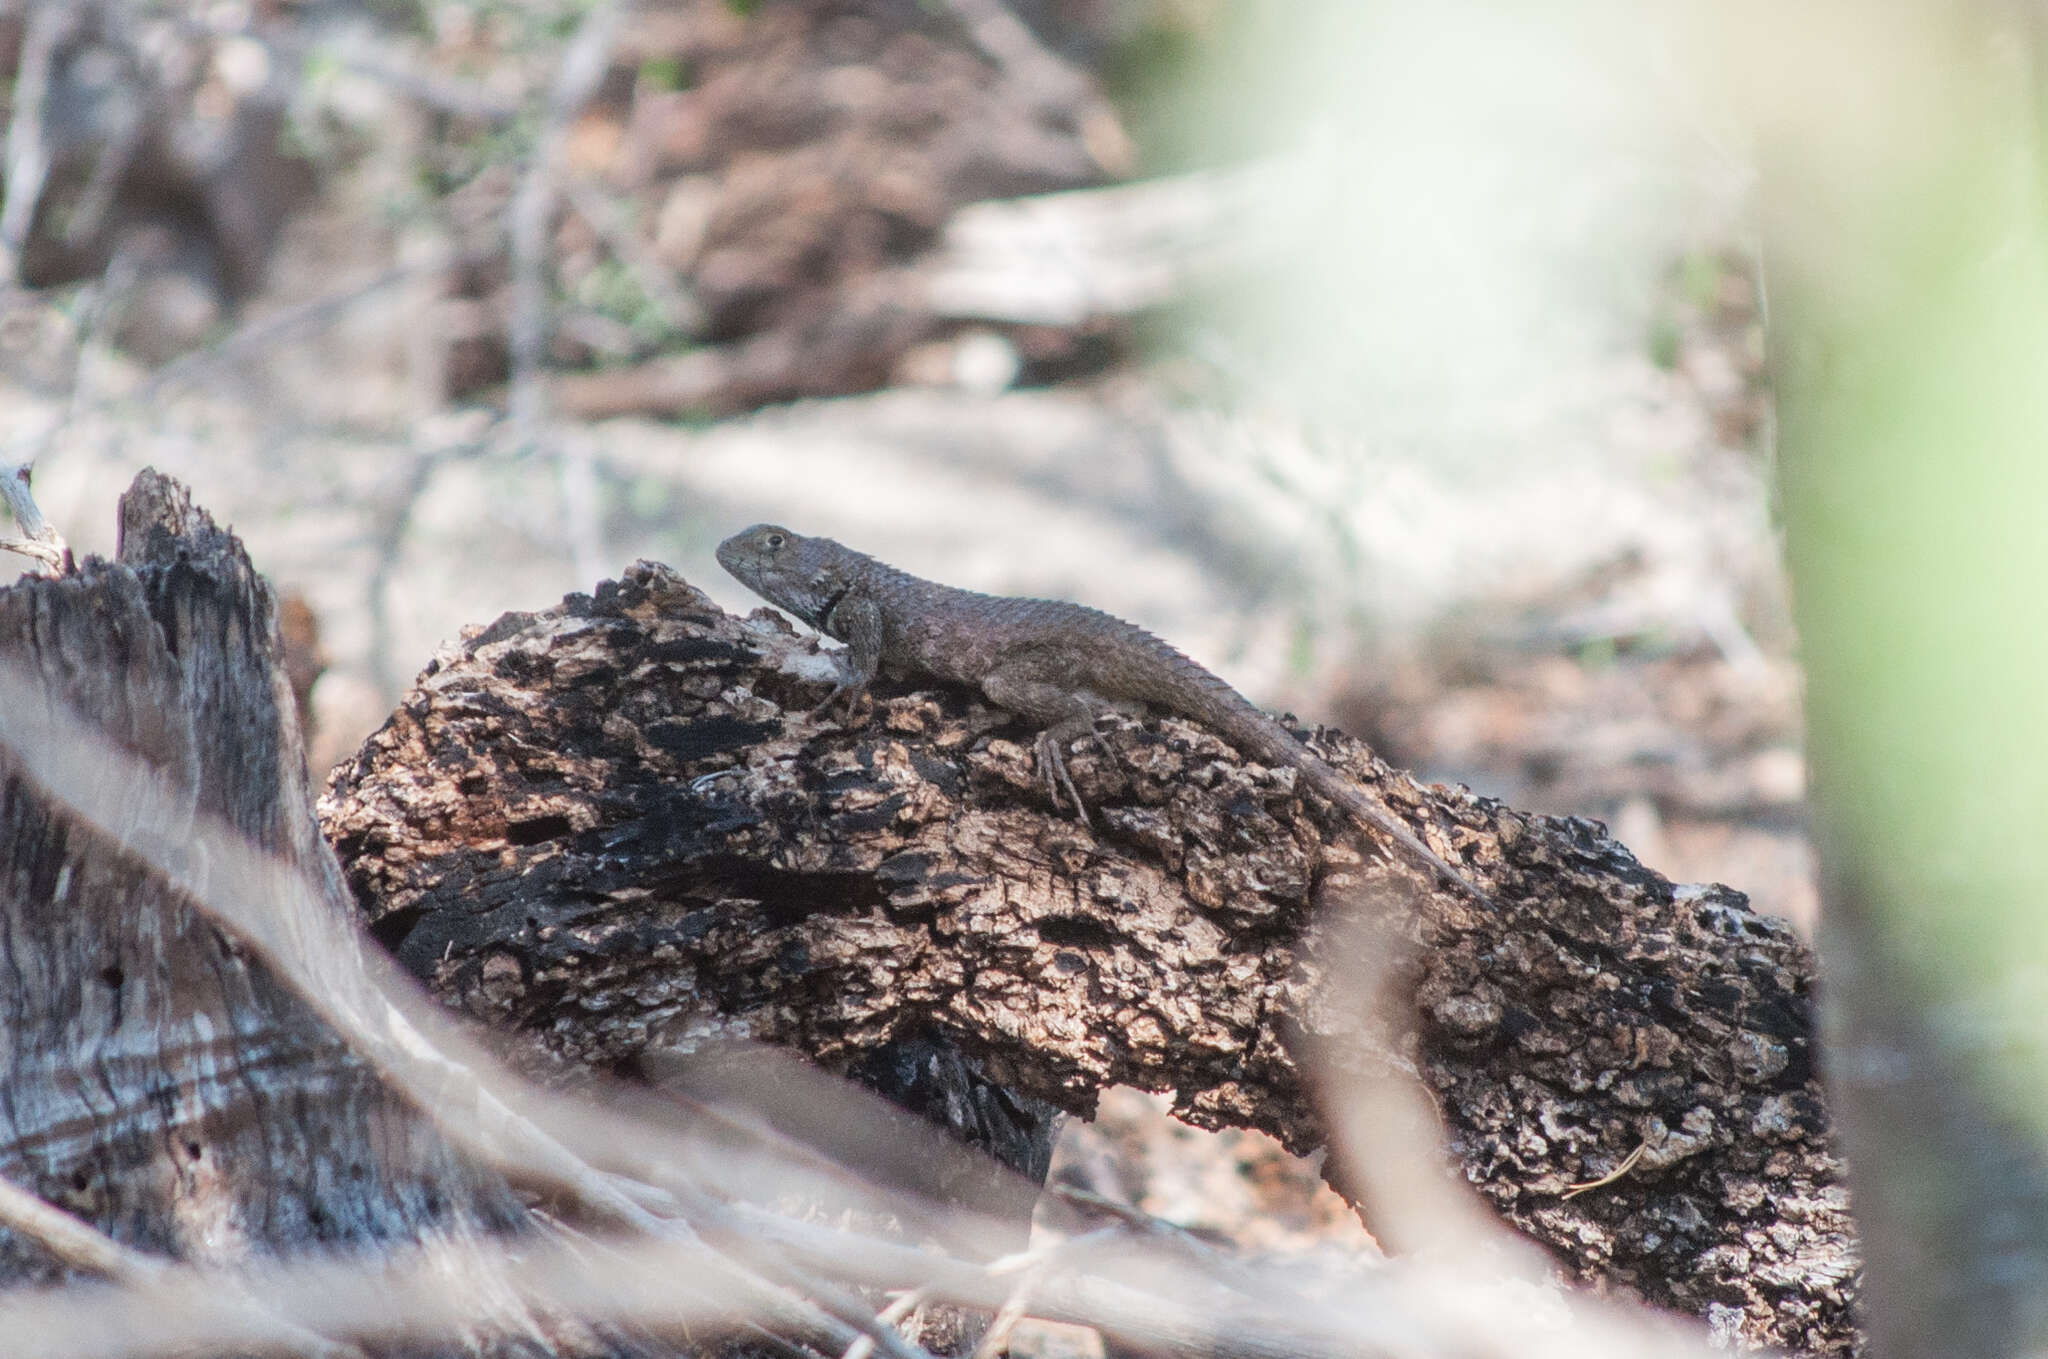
159	1081
610	827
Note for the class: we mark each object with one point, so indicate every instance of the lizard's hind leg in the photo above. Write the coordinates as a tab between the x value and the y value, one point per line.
1020	686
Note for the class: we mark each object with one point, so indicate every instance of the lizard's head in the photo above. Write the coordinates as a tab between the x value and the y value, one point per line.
782	567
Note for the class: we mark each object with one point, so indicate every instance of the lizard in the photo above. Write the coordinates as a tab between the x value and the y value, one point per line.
1058	664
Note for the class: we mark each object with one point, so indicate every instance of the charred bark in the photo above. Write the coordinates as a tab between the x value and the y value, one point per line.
609	826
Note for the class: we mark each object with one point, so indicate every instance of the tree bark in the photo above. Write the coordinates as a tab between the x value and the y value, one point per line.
611	827
157	1080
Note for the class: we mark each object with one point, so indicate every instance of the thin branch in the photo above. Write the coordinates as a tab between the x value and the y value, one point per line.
583	66
39	539
254	339
442	1288
73	1243
1031	1271
1138	1221
391	520
576	79
443	94
905	1303
257	338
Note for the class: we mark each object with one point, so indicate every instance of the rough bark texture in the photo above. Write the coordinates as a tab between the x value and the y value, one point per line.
609	826
155	1078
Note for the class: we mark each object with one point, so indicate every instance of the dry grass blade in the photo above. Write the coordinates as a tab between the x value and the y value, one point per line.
432	1290
904	1304
81	1247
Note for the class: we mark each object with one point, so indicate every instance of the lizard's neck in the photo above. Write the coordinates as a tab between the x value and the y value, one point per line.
835	594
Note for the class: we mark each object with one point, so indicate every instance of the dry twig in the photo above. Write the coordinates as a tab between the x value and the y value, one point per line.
583	65
38	539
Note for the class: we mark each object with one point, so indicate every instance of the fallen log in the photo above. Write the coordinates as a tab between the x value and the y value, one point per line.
612	827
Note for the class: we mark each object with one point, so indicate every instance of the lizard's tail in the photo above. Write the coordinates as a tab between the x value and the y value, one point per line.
1230	715
1329	781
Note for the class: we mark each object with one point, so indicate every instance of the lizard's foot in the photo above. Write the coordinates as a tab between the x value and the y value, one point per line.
1052	767
845	698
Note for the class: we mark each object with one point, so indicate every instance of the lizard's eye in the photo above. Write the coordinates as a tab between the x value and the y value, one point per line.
774	541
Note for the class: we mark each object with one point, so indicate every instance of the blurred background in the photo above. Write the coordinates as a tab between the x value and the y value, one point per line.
1401	361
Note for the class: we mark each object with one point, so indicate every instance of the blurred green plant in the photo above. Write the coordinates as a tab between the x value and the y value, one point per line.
665	74
1665	338
1907	241
1700	274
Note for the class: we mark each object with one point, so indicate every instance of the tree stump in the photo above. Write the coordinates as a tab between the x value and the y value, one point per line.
159	1081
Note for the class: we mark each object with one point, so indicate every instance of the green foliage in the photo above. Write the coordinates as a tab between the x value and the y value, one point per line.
1699	278
1597	653
651	499
1301	647
1167	75
665	75
1910	303
611	289
1664	342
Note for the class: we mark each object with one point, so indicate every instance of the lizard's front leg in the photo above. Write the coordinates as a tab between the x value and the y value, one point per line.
857	621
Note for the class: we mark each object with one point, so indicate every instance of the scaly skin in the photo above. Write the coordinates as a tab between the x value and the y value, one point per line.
1058	664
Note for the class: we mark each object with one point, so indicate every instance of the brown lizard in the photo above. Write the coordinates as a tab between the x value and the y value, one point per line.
1060	665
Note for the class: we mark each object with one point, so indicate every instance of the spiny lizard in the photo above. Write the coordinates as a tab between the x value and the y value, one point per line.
1058	664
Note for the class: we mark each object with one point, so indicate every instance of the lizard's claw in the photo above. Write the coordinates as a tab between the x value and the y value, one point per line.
1109	755
845	698
1052	767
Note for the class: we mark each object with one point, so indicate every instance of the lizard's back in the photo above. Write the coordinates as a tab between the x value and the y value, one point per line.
962	635
966	637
